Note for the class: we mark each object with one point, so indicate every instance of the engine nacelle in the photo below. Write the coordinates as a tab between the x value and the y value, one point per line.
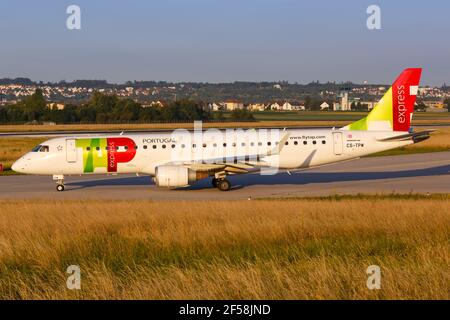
176	176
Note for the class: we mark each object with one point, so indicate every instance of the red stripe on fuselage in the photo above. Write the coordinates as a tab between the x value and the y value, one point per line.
115	156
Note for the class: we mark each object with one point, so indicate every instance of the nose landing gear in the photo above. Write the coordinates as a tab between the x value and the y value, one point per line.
59	182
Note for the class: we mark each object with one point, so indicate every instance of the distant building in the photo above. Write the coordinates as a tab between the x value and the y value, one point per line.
277	86
324	106
299	107
256	107
275	106
344	105
158	103
57	106
336	106
231	105
215	106
286	106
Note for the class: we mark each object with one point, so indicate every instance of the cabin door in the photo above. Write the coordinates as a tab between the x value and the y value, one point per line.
71	150
337	143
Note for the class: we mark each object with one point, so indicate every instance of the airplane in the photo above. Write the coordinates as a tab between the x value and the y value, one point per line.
180	158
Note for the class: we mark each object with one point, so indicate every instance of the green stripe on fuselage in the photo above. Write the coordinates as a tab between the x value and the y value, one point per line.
93	158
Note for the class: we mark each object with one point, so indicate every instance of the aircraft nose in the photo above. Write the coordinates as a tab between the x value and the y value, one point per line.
18	166
14	166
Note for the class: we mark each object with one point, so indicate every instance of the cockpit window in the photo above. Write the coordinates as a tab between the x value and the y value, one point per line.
36	149
44	149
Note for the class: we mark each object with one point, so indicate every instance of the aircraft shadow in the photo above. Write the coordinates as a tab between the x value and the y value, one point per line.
297	178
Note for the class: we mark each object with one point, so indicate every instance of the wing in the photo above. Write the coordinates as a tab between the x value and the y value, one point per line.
235	164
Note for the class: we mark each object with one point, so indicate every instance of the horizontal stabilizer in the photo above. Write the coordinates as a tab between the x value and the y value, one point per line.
415	136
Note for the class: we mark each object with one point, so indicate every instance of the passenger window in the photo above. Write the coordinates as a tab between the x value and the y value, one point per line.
145	146
314	142
173	146
323	142
286	143
154	146
36	149
305	142
44	149
296	142
163	146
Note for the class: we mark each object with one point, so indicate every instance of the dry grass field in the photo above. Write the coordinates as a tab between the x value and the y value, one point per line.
439	141
190	125
12	149
165	126
268	249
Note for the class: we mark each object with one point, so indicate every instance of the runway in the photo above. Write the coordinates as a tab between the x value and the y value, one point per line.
416	173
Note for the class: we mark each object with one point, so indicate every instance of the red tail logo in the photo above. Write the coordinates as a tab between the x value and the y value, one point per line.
404	92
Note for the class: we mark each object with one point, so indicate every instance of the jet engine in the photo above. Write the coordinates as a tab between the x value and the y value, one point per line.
176	176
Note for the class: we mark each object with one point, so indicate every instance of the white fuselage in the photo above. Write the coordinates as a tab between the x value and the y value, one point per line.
143	153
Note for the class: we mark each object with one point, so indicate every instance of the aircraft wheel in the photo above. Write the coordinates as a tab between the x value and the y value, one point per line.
224	185
60	187
214	182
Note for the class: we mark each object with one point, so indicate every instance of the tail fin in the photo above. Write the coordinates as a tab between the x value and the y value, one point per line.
394	111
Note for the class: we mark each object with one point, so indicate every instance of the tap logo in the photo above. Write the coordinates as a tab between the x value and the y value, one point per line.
404	93
106	153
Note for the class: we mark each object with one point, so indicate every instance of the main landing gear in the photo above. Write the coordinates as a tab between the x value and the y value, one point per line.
59	182
221	183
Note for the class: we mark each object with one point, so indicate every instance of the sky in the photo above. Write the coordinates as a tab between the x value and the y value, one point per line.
224	40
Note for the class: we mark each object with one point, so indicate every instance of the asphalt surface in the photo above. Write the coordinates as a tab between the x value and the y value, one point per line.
416	173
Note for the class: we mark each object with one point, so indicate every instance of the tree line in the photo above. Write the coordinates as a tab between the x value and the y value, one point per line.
102	108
